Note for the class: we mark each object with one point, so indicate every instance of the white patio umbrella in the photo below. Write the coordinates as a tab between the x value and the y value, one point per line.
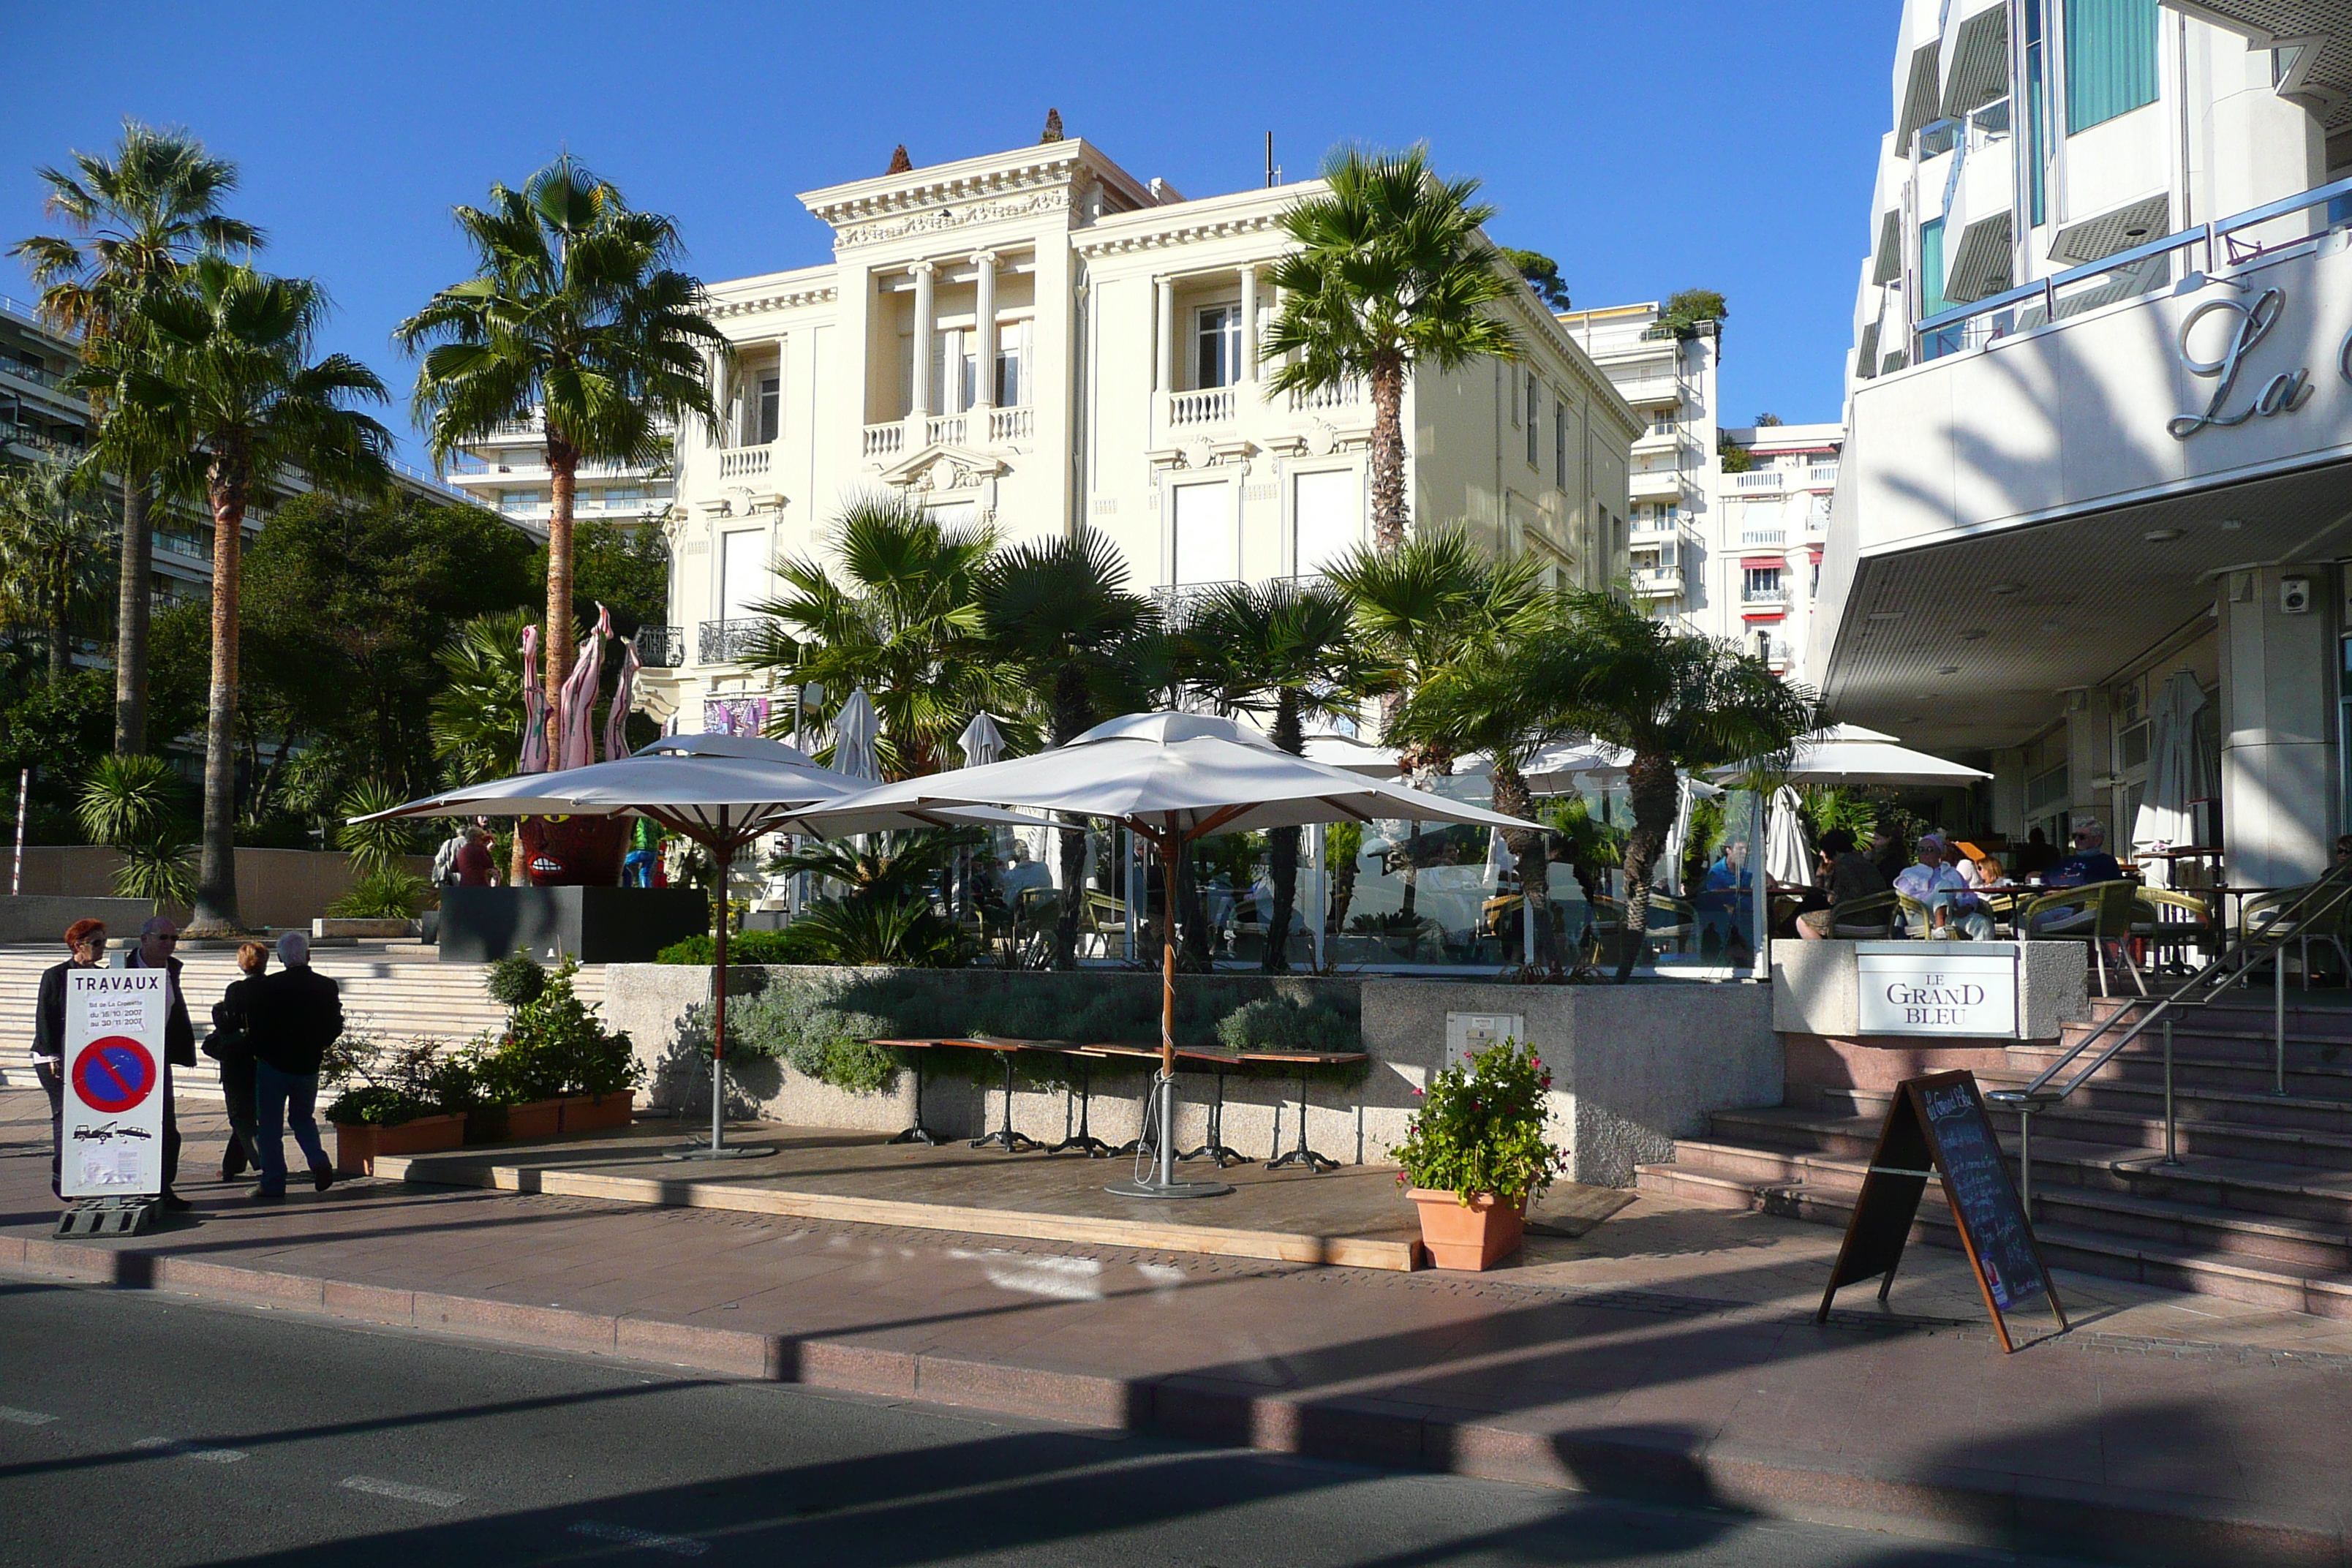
1357	756
2163	820
1850	754
981	742
720	791
1678	845
854	731
1788	848
1171	778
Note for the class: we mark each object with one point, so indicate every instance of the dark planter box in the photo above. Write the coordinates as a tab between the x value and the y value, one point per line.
594	925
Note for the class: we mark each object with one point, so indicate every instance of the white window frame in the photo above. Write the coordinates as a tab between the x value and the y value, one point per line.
1227	334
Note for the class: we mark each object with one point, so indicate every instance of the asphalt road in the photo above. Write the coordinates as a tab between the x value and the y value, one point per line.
145	1429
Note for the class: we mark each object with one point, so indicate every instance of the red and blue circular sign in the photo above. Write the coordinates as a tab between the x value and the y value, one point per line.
113	1074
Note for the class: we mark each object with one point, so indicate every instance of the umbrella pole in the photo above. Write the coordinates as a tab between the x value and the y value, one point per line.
1161	1182
722	845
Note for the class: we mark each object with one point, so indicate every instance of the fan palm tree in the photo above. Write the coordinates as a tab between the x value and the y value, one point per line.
576	311
133	220
1290	652
909	627
221	366
51	569
1059	618
477	713
1391	273
1674	699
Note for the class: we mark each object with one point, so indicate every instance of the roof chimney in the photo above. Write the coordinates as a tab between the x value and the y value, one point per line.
1053	127
899	162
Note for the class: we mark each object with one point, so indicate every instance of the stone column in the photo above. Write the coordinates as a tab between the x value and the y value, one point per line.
984	369
1249	324
1166	288
923	271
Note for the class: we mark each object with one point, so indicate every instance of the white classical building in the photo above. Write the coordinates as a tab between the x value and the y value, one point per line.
2100	417
1732	555
1039	340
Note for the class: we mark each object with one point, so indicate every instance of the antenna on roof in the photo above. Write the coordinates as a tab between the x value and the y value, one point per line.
1269	158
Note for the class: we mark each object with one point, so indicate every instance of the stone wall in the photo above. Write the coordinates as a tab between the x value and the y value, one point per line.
1632	1067
281	888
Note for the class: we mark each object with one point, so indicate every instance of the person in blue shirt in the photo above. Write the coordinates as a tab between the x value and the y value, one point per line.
2090	862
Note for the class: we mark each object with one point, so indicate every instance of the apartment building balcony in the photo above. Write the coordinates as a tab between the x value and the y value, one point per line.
726	642
1665	391
661	647
1759	481
1657	484
1670	442
745	462
1191	410
1763	538
888	441
1821	477
1339	395
1658	582
1178	600
1768	600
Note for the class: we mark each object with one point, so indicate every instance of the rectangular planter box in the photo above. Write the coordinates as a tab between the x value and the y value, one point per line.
591	1112
526	1124
356	1147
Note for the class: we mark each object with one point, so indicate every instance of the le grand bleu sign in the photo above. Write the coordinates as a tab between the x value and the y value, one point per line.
1936	988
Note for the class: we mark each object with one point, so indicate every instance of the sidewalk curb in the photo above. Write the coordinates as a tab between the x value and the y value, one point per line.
1654	1464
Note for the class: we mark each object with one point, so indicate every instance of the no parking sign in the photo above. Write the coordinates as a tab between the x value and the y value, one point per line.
114	1082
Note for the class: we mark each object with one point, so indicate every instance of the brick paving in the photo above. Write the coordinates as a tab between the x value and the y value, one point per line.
1666	1353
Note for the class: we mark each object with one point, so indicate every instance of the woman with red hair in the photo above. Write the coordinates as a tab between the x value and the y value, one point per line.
86	941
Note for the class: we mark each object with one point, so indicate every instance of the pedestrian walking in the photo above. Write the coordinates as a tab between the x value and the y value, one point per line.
475	866
157	939
85	943
231	1045
296	1016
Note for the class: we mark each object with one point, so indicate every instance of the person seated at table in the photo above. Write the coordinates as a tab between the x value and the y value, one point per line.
1975	867
2033	857
1022	873
1937	888
2090	862
1886	853
1848	874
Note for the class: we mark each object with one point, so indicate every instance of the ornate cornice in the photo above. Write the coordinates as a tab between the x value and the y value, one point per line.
790	299
1097	243
1031	204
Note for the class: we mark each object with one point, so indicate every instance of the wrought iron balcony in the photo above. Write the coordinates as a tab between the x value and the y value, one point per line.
725	642
660	648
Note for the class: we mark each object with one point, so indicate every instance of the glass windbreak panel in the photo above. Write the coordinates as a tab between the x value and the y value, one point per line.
1423	895
2110	59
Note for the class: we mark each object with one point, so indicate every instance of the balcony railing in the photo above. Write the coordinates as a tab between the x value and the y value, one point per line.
663	647
187	545
886	440
1822	474
39	375
1657	578
1763	536
1764	479
1339	395
1209	405
1764	595
724	642
1012	424
944	430
1177	600
739	462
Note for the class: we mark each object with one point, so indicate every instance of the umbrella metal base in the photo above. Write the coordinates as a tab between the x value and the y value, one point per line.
704	1152
1172	1190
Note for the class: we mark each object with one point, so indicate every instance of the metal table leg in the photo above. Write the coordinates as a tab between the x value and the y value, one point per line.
1215	1148
1303	1155
918	1133
1083	1142
1004	1138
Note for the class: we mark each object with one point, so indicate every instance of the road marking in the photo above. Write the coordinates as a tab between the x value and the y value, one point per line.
677	1545
404	1492
24	1417
190	1451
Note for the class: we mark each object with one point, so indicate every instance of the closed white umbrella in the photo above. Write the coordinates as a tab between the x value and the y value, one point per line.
1788	847
1850	754
981	742
854	731
1172	778
2163	821
1677	846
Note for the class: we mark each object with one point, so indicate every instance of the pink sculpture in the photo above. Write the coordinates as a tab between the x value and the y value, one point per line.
616	717
578	696
533	759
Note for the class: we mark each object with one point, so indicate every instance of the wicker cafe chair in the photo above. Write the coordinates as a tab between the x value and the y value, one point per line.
1102	921
1869	919
2103	915
2150	926
2266	916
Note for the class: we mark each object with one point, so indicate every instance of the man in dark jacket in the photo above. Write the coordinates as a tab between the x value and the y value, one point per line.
295	1017
86	939
157	938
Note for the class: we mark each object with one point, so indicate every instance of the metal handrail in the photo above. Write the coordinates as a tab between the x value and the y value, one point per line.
2236	962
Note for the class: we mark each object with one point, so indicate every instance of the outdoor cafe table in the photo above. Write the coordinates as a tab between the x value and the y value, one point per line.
1303	1155
1005	1137
1219	1062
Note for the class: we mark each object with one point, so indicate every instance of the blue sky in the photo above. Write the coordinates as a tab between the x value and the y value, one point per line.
1648	147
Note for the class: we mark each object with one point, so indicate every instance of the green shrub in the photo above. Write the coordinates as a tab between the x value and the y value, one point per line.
379	1106
515	981
744	947
395	1083
1480	1129
386	894
556	1045
1285	1024
794	1021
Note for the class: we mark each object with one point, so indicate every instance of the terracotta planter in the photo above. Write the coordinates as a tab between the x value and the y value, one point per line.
1476	1238
596	1112
535	1119
356	1147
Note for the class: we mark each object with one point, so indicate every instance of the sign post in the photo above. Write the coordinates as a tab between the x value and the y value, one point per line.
112	1147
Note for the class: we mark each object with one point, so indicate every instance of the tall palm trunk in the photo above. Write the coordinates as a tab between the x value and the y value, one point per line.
216	911
1072	713
1654	793
563	469
1389	514
1282	846
60	644
1512	799
132	595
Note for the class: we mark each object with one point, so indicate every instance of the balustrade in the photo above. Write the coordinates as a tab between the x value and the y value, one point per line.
886	440
944	430
738	462
723	642
662	648
1011	423
1210	406
1338	394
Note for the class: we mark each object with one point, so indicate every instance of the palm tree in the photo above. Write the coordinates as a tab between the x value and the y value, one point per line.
222	366
1059	618
51	573
909	628
575	310
1674	699
1291	652
134	220
477	713
1391	273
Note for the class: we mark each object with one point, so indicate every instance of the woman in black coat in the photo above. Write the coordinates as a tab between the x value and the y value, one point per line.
232	1046
86	939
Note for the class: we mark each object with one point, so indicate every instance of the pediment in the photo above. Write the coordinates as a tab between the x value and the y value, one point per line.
942	467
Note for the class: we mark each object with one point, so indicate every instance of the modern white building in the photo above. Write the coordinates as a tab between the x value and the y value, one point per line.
2101	413
508	473
1729	554
1038	339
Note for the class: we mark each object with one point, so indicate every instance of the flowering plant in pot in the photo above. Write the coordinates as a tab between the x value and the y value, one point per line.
406	1099
1474	1154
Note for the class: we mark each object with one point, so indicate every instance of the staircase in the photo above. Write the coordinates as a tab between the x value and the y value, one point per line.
392	991
2257	1210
